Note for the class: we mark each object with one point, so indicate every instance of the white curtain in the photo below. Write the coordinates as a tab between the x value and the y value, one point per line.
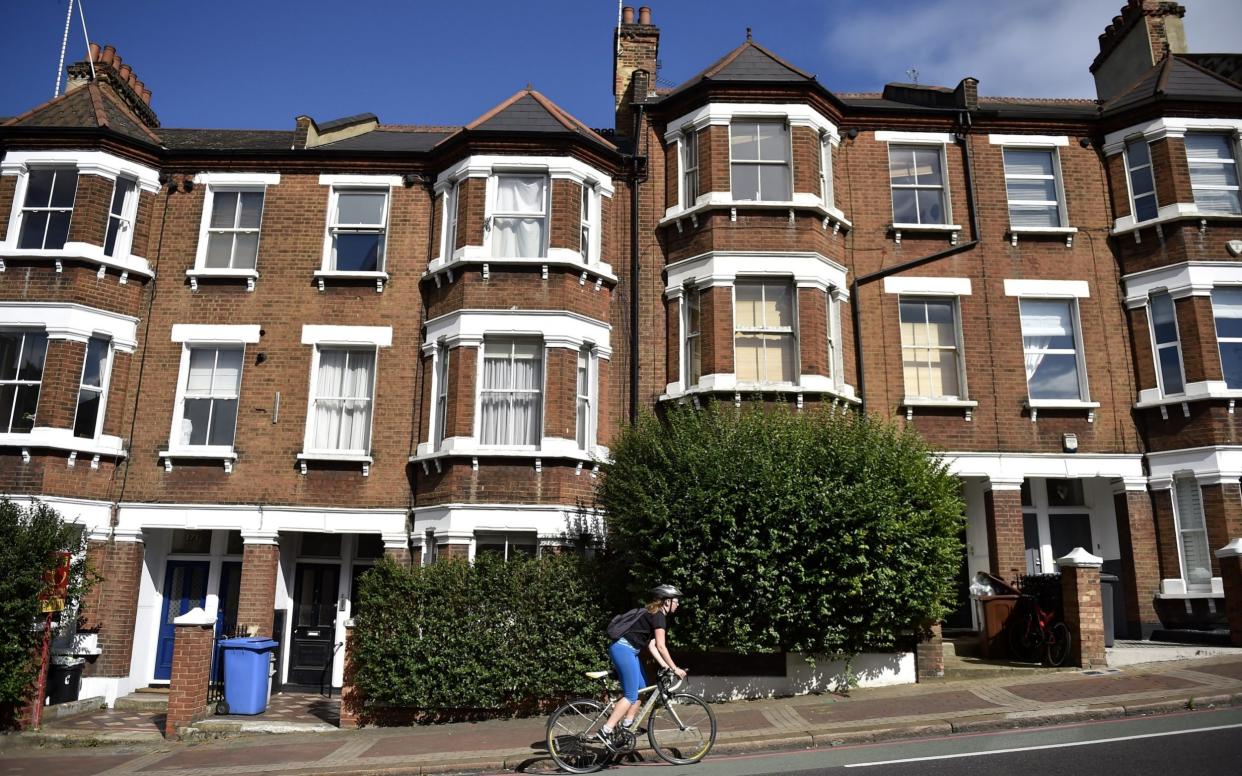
511	394
518	224
1042	321
343	400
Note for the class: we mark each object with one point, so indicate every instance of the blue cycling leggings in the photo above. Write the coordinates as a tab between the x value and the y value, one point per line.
625	657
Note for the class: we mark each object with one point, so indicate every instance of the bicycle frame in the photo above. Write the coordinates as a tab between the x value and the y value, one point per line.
654	692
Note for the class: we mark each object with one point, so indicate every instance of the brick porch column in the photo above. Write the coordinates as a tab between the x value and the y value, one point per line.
351	697
193	641
1002	514
256	601
397	547
110	609
1230	558
1140	559
1084	612
929	655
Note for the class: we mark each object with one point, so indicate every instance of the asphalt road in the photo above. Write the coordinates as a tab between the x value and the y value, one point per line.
1203	743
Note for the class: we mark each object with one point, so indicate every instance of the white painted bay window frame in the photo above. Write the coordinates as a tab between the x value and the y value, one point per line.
337	184
369	339
933	140
590	233
1133	167
121	216
100	391
688	174
1228	164
762	158
494	213
691	306
1068	292
764	329
122	262
223	183
441	360
494	343
587	400
1190	522
1158	348
205	336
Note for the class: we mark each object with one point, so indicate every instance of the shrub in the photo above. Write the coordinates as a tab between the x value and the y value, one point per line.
819	532
29	536
456	640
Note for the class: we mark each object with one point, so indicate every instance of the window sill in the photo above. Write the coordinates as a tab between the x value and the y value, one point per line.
1035	405
473	256
724	201
1067	232
1178	589
42	437
365	460
551	449
953	230
913	402
324	276
84	252
813	385
1168	214
1203	390
223	454
248	275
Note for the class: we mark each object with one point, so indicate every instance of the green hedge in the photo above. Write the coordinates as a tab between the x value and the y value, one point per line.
28	538
455	640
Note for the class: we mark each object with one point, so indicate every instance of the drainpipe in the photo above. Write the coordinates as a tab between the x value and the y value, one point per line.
638	175
968	160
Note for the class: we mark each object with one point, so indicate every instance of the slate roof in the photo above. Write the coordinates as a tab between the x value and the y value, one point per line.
88	107
528	111
393	139
227	139
751	63
1175	78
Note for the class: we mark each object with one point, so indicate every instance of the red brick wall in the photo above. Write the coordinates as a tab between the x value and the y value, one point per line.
111	606
1166	534
1168	161
1140	559
8	188
62	372
256	601
141	243
471	208
1119	185
566	216
1222	512
521	288
191	671
714	159
560	400
1003	520
716	329
813	331
804	142
463	368
1084	616
90	210
500	481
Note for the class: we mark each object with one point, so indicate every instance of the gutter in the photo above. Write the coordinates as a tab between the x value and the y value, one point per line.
855	301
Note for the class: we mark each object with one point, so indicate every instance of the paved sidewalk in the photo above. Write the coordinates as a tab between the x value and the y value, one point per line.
937	708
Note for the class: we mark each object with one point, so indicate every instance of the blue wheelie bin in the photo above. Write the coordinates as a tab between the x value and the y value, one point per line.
246	662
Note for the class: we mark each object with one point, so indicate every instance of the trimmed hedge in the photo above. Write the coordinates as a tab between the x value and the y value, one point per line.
454	640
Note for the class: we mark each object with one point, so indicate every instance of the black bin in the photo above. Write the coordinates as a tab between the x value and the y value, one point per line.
1109	587
63	681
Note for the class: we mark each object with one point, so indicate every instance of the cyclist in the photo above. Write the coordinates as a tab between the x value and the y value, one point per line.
649	632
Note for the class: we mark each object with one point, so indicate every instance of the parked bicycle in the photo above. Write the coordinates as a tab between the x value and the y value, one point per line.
1036	635
681	727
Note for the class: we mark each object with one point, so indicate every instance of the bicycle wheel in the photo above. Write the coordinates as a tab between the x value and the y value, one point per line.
570	732
1024	640
1059	643
682	729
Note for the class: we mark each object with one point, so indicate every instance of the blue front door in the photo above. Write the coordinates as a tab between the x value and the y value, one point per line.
185	587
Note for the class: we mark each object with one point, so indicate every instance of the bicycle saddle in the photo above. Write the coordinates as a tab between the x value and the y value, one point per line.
598	674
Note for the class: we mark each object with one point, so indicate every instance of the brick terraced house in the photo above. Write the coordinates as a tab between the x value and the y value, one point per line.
250	363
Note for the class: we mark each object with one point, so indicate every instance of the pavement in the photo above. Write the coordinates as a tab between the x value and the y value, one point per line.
1001	699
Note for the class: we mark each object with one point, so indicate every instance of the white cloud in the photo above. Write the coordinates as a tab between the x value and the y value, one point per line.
1027	49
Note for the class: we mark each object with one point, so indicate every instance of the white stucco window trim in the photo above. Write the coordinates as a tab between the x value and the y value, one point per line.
926	286
1186	278
70	321
210	333
456	523
721	268
1029	141
376	336
1077	289
918	138
722	114
1166	126
226	181
1014	467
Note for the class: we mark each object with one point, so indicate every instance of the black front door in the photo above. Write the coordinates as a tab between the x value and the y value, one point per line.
314	624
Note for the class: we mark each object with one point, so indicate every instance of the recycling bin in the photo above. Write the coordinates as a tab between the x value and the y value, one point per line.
246	669
64	678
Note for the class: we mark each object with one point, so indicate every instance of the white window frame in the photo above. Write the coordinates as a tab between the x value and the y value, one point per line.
590	237
308	448
223	183
1231	142
1130	170
1062	212
192	336
834	355
588	361
826	188
25	331
340	338
764	282
691	290
508	538
945	198
452	208
1157	346
105	380
1188	479
25	210
512	340
368	183
440	376
957	347
1079	353
1223	340
491	214
688	159
124	218
782	121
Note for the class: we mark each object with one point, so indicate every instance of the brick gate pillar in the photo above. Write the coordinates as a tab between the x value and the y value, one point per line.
194	639
1084	611
1230	558
110	608
1140	564
256	600
929	655
1002	508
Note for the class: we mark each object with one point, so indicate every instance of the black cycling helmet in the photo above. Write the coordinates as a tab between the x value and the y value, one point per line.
662	592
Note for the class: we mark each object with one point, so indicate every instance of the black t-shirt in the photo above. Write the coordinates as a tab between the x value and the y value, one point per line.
643	631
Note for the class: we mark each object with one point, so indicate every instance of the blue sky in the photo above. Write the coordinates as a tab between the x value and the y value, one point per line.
259	63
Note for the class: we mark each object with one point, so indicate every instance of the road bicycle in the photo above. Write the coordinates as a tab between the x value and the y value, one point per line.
1035	634
681	727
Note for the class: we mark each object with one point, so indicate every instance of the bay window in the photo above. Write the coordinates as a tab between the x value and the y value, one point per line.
759	160
1227	312
519	216
442	378
120	212
1167	343
692	355
587	382
1196	556
511	392
1050	348
344	385
1143	204
92	389
48	207
1212	159
765	340
689	167
22	355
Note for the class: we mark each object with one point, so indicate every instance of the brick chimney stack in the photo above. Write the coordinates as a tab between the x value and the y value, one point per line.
1144	34
638	45
110	69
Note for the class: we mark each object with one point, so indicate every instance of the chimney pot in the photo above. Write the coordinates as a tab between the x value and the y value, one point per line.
139	86
108	53
146	96
132	81
644	15
627	15
94	47
123	71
